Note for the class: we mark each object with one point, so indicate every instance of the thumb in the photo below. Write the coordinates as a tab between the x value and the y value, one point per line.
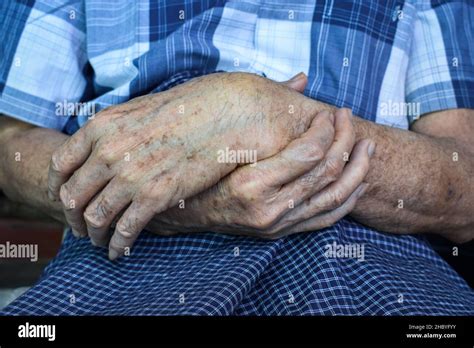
297	82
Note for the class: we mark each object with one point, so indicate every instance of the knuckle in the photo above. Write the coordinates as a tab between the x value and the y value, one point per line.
245	189
64	197
97	214
105	155
56	163
94	220
307	180
332	168
314	152
124	230
125	178
337	198
147	195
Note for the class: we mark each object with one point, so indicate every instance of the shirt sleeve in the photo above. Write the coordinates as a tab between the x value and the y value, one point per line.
440	72
44	59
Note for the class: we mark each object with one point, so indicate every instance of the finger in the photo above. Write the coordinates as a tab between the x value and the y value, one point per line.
153	199
327	219
104	209
76	193
301	155
334	195
132	222
329	168
353	175
65	160
297	82
344	140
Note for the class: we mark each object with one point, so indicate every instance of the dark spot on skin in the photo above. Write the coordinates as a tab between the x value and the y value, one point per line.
165	102
374	190
451	192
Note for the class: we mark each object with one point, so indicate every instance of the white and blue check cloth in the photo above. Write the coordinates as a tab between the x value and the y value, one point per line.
366	55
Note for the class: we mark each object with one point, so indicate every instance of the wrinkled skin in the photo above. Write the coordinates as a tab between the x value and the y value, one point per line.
136	160
268	202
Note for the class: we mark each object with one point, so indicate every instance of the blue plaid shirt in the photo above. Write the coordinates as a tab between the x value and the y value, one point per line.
365	55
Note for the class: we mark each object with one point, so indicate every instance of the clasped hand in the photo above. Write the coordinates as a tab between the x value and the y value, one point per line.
153	161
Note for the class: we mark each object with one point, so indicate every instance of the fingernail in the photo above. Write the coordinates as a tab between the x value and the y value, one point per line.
361	190
371	148
113	254
324	112
297	76
332	118
75	233
99	244
343	112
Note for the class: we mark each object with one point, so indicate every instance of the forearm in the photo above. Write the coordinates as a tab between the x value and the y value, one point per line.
417	184
25	153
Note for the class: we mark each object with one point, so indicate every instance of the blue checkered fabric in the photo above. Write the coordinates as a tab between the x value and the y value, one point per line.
369	56
213	274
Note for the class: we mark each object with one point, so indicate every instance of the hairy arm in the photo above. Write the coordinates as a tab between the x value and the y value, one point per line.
25	153
421	180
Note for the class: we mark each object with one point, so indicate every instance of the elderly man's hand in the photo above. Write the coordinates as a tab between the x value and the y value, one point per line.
273	199
138	159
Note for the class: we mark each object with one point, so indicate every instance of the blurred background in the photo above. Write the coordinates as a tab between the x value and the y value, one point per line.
20	224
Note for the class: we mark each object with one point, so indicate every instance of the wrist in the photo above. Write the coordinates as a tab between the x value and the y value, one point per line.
9	129
25	157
